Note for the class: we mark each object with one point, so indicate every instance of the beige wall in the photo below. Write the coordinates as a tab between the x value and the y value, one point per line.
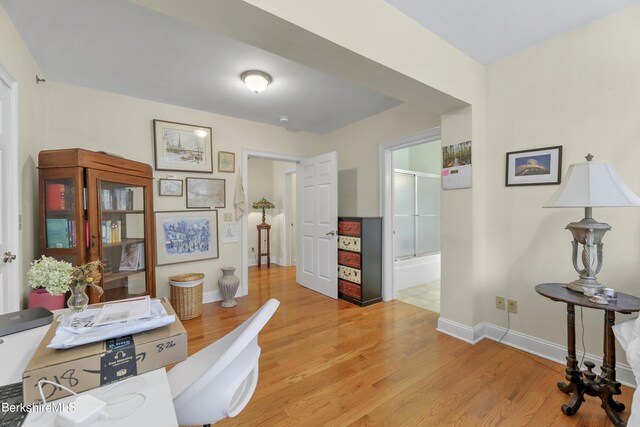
358	154
17	60
96	120
425	158
581	91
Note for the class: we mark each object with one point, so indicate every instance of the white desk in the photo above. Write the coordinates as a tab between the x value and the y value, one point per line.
155	409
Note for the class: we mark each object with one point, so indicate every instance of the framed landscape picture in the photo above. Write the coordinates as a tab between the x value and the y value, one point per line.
186	236
182	147
170	187
540	166
226	161
205	193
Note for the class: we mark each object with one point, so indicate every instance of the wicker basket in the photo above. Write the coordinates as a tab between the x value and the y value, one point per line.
186	295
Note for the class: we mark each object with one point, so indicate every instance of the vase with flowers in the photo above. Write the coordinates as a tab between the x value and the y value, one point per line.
82	276
57	277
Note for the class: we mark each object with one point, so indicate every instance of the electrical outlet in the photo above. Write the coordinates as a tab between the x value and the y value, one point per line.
500	303
513	306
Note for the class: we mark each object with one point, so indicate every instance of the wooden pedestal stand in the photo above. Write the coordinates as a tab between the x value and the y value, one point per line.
267	228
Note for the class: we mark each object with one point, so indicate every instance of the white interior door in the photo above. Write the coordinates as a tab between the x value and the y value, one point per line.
317	212
9	283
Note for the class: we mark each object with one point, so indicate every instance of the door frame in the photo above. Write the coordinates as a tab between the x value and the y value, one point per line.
12	288
386	200
286	230
246	154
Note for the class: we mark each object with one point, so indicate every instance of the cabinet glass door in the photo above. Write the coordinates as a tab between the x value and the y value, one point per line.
121	210
63	234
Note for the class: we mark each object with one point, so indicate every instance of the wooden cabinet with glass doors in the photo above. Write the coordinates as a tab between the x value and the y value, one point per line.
99	206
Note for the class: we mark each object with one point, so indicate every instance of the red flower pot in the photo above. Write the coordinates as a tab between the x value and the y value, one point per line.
41	298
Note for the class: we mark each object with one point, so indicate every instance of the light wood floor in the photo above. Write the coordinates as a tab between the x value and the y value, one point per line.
328	362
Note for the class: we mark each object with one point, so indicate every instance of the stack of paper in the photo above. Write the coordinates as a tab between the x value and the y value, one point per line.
112	320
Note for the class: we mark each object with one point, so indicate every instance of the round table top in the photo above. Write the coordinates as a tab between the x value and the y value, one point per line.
625	303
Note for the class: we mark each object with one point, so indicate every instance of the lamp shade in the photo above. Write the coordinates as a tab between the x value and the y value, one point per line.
263	204
592	184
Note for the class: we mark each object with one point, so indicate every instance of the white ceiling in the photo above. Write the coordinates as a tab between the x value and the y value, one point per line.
489	30
124	48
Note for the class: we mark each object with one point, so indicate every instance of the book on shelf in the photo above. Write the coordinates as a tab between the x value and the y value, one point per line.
117	199
58	233
111	231
55	197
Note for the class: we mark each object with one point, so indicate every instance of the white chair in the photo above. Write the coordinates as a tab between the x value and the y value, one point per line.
218	381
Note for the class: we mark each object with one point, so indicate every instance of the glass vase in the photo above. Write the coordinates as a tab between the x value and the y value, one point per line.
78	300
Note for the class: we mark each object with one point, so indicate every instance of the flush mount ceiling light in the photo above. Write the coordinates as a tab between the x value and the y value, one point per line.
256	81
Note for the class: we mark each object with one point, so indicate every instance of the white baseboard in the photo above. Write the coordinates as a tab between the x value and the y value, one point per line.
208	297
253	263
529	344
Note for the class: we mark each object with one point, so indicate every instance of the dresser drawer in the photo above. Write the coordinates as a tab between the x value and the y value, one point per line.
350	259
349	243
348	273
349	228
350	289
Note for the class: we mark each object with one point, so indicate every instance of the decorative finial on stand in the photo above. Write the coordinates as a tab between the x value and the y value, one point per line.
589	157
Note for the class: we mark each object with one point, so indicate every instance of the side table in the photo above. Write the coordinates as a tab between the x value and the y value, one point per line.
266	227
588	382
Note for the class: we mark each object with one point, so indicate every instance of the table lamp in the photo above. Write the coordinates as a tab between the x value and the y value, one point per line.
263	204
587	185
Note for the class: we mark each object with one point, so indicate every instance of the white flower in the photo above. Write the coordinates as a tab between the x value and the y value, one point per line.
53	275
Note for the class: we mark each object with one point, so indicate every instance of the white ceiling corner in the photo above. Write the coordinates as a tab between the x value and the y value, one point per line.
489	30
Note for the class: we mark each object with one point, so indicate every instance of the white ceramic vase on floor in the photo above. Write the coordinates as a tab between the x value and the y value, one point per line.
228	285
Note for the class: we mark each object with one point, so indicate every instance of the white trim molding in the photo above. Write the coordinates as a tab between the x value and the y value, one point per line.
10	294
536	346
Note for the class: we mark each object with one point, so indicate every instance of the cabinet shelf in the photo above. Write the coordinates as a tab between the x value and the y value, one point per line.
111	277
121	211
121	243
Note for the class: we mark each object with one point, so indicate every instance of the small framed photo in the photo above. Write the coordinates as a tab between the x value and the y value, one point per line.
226	161
205	193
132	257
186	236
170	187
540	166
182	147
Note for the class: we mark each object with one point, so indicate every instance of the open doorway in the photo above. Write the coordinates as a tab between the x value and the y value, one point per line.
316	193
416	224
410	170
269	180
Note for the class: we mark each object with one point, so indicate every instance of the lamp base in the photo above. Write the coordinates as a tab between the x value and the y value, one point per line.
588	287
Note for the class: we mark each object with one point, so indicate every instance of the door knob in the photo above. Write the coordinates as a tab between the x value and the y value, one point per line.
8	257
331	233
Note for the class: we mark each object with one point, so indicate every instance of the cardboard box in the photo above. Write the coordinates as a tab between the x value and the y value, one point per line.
94	365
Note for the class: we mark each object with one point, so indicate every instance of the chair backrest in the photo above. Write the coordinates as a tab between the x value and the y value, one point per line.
218	381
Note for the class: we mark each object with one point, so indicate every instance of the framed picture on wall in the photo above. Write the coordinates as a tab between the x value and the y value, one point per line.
186	236
182	147
170	187
226	161
205	193
540	166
